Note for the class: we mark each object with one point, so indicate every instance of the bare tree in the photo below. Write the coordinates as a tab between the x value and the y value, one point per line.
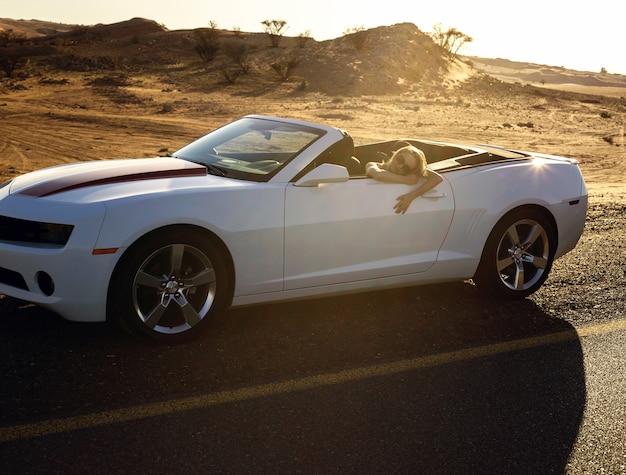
238	51
207	42
451	40
12	51
274	29
11	58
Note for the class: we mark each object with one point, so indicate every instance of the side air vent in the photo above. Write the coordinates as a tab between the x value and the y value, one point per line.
12	278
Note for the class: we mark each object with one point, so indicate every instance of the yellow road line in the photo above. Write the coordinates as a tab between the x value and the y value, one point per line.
56	426
602	328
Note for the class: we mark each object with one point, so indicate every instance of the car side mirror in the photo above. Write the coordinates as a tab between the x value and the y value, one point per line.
325	173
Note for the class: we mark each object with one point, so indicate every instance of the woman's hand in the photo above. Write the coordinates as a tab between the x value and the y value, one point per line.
403	202
373	169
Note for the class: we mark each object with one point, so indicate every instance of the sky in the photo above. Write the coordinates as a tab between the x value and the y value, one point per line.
582	36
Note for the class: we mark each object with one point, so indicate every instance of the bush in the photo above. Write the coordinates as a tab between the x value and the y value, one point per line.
120	80
167	108
285	68
13	53
207	43
230	75
358	36
11	58
72	62
237	51
9	37
303	38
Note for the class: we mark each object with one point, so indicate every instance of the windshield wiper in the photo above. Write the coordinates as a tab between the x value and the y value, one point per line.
213	170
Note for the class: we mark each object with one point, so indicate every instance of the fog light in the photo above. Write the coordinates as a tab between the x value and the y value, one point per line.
45	283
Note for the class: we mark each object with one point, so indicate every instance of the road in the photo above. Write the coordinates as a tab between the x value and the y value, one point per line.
432	379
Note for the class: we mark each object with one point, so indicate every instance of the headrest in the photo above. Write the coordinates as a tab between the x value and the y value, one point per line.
343	148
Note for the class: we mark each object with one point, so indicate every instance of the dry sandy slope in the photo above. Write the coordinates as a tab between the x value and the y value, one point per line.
546	75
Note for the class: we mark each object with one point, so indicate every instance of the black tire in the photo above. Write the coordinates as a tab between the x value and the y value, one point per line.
168	286
518	255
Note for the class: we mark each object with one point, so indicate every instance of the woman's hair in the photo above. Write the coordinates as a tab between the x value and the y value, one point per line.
419	156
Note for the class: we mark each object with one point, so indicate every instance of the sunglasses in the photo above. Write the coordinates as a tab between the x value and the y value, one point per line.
402	165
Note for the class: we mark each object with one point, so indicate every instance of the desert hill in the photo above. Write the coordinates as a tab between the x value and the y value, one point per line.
38	29
33	28
408	56
393	60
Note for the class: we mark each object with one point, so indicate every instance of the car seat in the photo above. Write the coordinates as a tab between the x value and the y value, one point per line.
342	153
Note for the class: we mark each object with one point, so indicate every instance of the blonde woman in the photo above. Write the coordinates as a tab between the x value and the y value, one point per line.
407	165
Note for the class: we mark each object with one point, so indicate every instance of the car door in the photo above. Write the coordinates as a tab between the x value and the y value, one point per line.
346	232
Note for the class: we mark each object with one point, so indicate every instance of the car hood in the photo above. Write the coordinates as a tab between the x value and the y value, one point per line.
63	178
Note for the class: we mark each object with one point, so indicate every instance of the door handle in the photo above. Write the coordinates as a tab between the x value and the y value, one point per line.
434	195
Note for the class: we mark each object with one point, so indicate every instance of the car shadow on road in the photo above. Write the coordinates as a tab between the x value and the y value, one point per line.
516	409
511	409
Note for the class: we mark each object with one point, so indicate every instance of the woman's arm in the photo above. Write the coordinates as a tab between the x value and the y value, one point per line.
404	201
376	171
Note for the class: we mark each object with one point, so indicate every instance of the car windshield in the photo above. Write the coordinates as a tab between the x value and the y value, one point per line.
251	148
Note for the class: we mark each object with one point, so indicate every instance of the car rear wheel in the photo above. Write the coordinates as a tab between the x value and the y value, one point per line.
168	286
518	255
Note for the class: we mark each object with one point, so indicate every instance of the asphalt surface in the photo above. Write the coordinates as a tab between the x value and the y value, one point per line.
433	379
430	380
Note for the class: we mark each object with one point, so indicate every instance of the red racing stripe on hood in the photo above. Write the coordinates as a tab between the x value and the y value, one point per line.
144	169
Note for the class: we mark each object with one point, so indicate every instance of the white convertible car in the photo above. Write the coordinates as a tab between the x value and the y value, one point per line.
266	209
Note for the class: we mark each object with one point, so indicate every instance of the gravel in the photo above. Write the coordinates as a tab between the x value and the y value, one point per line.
588	284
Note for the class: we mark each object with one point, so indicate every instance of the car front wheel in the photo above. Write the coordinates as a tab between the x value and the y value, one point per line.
168	286
518	255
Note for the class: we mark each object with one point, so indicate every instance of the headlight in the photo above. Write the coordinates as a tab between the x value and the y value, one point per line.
21	230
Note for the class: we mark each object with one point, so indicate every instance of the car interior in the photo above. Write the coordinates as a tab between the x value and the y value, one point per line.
345	153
